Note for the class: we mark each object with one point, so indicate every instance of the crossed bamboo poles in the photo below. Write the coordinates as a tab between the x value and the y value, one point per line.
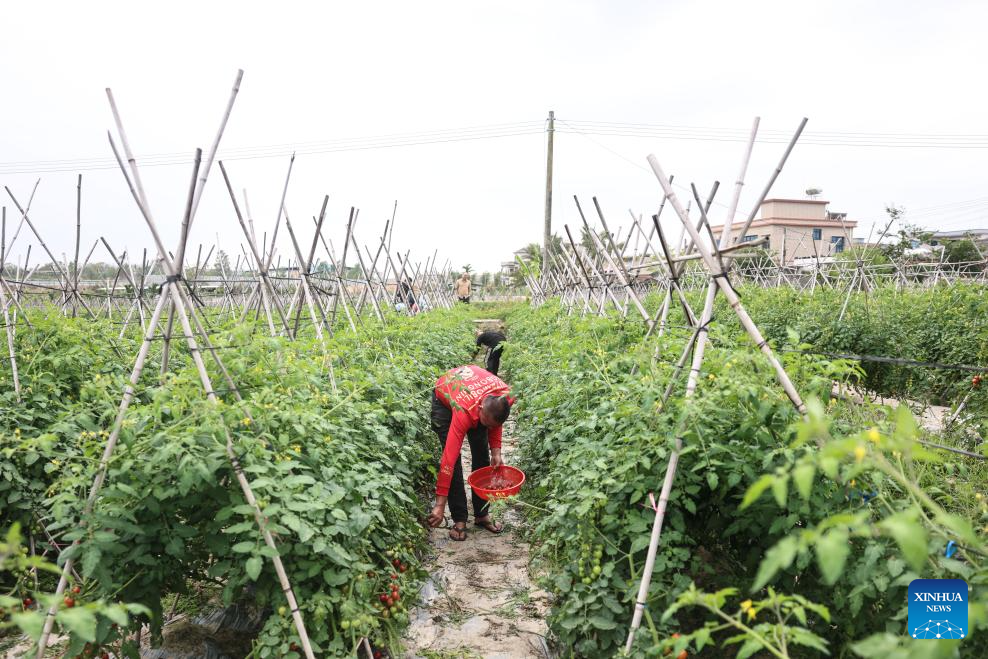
597	276
606	262
594	278
250	286
178	296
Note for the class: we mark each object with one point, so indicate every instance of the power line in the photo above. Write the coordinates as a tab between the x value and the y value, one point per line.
513	129
805	142
819	138
282	150
744	131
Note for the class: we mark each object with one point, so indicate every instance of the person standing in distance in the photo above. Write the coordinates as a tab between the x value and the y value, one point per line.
463	288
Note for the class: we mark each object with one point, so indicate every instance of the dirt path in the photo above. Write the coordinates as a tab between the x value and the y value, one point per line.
481	600
931	417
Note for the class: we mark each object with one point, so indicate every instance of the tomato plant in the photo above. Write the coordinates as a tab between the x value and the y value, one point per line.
781	513
334	439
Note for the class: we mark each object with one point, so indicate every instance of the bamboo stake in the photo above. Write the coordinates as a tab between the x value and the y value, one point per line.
27	209
170	289
719	278
78	236
8	326
735	303
304	282
267	288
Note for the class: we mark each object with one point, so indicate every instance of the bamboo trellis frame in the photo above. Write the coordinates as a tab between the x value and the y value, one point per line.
193	298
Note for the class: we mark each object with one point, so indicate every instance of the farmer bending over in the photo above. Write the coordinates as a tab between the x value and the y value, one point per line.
492	340
467	401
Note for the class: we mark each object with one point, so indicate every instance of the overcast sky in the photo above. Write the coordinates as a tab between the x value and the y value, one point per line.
317	74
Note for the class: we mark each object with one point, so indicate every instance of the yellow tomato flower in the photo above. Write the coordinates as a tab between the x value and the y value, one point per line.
859	453
873	435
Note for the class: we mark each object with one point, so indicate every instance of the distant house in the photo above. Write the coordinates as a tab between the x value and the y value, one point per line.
979	236
509	268
289	272
797	229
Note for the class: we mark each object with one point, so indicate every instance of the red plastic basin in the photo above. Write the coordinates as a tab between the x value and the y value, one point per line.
496	482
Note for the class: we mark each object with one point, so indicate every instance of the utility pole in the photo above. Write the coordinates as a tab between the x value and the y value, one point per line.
548	194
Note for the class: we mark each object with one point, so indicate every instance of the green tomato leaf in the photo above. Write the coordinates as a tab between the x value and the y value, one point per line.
780	490
29	622
117	614
756	490
777	558
910	535
80	621
750	647
831	552
253	567
600	622
802	476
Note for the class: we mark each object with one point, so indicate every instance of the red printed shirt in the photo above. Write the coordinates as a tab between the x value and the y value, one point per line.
462	390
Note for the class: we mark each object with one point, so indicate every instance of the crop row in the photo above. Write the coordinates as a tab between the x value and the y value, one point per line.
783	536
945	324
333	439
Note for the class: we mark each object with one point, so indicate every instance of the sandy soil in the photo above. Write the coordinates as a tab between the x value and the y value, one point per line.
22	647
931	417
481	600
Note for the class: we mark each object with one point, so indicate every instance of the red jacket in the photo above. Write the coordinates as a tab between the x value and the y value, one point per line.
462	390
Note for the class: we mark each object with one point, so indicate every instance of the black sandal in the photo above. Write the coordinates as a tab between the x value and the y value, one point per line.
458	533
489	525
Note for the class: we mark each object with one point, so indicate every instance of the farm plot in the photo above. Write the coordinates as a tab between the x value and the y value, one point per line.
783	536
333	439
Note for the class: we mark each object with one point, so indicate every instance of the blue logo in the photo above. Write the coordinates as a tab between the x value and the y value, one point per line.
938	609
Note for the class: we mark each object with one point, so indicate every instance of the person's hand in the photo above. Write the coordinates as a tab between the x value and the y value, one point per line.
438	511
496	460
